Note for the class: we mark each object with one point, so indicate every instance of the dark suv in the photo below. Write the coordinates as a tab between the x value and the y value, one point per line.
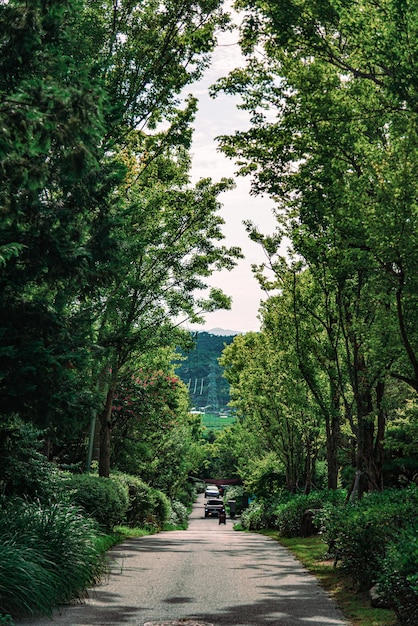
213	506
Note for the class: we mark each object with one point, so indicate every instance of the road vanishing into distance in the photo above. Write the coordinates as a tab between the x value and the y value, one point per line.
208	574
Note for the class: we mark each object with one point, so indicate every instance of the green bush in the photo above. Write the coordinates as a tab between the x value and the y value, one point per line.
104	499
162	508
187	495
235	492
398	578
254	517
24	470
361	544
289	514
141	503
148	507
48	555
360	533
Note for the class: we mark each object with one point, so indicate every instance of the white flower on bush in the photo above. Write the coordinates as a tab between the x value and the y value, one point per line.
179	513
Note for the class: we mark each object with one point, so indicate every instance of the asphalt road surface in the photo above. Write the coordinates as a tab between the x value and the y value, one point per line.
210	574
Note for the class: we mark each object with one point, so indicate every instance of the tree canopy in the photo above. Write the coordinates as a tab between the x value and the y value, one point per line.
331	91
105	245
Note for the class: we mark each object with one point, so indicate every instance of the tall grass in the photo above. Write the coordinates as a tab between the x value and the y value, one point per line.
48	555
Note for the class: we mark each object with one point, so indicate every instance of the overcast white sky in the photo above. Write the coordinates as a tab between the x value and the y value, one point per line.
216	117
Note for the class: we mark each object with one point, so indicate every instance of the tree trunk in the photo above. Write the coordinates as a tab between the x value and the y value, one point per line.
308	467
332	425
365	426
375	450
105	430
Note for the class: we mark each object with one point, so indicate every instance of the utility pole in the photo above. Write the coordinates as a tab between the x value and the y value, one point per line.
212	398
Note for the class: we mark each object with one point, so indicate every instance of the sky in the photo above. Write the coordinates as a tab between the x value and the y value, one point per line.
216	117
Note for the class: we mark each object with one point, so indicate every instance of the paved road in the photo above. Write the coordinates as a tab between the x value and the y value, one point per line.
209	573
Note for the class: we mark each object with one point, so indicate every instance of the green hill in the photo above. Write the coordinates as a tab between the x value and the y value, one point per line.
201	372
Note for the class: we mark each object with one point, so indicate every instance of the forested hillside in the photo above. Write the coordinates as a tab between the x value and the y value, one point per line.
199	369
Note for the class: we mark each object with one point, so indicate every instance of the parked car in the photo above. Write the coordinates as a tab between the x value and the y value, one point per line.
214	506
211	491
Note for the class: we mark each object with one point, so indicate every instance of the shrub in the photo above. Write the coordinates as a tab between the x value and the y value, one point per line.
254	518
48	555
289	514
24	470
187	495
162	507
148	507
179	513
398	579
360	533
235	492
140	499
104	499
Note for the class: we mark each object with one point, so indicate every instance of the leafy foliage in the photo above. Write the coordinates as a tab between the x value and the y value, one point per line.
285	512
398	578
179	513
97	259
153	434
360	533
147	506
332	140
106	501
24	469
48	556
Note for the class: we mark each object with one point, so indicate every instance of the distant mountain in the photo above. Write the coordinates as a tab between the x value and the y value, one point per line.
222	332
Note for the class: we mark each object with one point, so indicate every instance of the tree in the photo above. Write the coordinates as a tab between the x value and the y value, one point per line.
152	430
270	397
304	322
69	147
170	233
50	150
344	112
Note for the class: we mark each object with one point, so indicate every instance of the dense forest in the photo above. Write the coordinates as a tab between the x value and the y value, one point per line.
107	250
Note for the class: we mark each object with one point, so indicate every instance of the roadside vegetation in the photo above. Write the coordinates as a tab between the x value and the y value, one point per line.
53	549
355	604
106	248
352	547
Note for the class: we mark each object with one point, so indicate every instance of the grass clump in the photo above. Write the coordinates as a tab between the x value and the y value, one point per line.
48	556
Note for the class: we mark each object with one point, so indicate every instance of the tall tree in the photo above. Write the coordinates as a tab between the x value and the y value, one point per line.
80	82
170	232
153	433
340	110
269	394
51	113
